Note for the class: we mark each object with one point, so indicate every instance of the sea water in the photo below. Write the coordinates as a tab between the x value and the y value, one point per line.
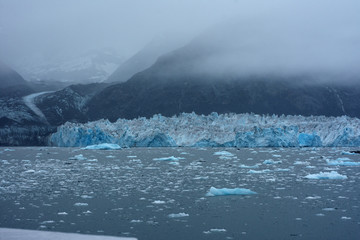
163	193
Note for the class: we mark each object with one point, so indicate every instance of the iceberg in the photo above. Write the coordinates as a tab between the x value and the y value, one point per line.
214	130
342	162
172	158
326	175
228	191
178	215
103	146
78	157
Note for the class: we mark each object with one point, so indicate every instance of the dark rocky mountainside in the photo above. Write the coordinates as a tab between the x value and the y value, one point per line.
68	104
174	85
12	84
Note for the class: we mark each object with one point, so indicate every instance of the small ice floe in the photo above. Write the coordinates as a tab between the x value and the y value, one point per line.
224	153
276	155
312	197
103	146
228	191
215	230
30	171
247	166
326	175
136	221
158	202
328	209
260	171
270	162
342	162
47	222
172	158
347	153
131	156
178	215
79	204
320	215
282	169
345	218
301	163
78	157
62	213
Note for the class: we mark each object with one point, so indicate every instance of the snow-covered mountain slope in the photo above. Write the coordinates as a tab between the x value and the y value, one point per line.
93	66
231	130
19	125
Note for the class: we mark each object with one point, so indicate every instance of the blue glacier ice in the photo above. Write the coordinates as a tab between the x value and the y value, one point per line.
326	175
103	146
342	162
214	130
228	191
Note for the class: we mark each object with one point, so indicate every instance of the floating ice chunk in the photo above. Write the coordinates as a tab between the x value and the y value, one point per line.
21	234
79	204
260	171
78	157
224	153
172	158
345	218
326	175
103	146
270	162
328	209
228	191
282	169
215	230
313	197
48	222
158	202
8	150
136	221
178	215
342	162
30	171
62	213
347	153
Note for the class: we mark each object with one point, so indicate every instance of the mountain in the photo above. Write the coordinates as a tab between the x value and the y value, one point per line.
145	58
89	67
241	68
12	84
68	104
172	86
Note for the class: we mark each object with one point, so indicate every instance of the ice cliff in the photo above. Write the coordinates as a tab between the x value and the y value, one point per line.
229	130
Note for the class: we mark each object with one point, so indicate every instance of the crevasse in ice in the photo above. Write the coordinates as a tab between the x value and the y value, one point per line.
214	130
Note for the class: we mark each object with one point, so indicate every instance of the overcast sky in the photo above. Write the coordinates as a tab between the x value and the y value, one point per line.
61	26
316	29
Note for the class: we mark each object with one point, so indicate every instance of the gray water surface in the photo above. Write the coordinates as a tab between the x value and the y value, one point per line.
127	193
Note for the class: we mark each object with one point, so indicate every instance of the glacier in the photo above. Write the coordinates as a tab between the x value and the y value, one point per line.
214	130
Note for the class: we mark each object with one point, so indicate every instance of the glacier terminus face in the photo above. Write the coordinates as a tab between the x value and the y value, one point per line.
214	130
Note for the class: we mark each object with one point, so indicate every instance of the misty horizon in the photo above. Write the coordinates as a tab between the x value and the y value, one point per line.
232	37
